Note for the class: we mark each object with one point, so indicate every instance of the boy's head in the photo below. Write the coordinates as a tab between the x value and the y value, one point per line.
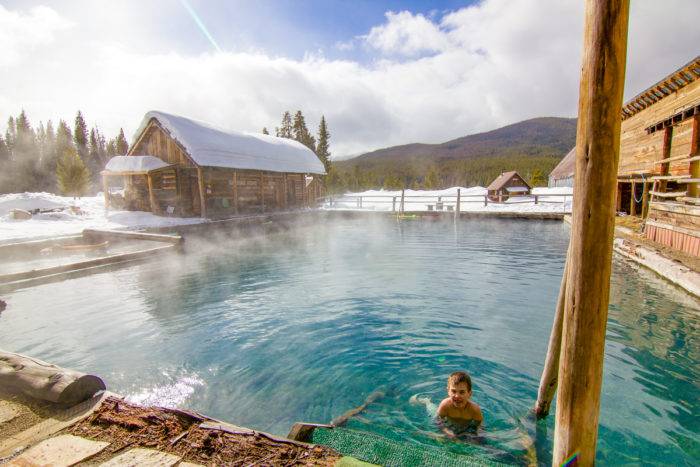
459	388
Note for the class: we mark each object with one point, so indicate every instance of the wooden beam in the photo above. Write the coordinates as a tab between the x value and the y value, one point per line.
694	168
285	198
588	282
202	194
633	210
152	196
235	192
550	372
645	200
262	192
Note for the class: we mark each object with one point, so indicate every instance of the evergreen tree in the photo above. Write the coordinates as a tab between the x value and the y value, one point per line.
121	145
72	175
80	136
25	142
322	147
94	162
112	148
10	134
285	130
264	131
301	133
4	152
537	178
431	180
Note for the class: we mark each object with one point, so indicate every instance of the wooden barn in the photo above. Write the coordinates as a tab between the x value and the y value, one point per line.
659	166
506	185
182	167
563	173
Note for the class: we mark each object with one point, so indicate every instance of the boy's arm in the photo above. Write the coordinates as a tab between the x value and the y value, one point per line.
441	414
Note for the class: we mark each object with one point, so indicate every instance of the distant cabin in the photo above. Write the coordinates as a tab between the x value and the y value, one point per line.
563	173
506	185
659	171
182	167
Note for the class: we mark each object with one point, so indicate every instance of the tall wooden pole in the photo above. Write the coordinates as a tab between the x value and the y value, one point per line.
588	281
550	372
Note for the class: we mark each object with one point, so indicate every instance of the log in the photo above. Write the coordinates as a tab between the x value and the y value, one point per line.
47	382
588	282
550	372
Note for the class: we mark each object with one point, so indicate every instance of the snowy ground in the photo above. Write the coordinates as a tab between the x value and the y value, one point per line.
65	222
472	199
93	216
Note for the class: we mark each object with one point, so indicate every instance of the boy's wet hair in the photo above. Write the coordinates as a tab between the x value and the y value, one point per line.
460	377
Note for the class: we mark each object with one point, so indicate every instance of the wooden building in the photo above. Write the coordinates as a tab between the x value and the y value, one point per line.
507	184
563	173
182	167
659	166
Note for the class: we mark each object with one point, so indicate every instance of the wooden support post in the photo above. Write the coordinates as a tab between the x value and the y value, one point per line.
486	200
645	200
536	199
694	168
262	192
666	151
633	203
285	198
152	196
459	198
202	193
550	372
235	192
393	204
588	281
403	195
105	190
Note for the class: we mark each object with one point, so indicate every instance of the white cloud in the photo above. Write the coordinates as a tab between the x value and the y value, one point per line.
492	64
407	34
21	33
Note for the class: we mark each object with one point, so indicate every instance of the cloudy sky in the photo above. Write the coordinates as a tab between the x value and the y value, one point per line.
382	72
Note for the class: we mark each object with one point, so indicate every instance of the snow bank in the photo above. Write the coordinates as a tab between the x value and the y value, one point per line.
556	200
71	217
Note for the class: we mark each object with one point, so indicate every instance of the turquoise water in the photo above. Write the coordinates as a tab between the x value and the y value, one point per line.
304	325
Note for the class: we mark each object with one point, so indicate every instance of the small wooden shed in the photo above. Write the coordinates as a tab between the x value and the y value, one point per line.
506	185
182	167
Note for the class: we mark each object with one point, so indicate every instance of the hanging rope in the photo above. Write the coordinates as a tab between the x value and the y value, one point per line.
641	197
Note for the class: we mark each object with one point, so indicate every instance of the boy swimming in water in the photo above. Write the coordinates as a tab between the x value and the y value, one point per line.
458	409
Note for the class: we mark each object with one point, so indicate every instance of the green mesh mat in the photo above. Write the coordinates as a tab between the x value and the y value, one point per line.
379	450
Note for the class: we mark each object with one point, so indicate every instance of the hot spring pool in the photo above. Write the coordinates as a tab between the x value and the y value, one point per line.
303	325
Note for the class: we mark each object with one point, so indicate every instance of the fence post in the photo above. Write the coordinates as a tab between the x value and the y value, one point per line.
459	197
486	200
402	200
535	199
360	202
393	204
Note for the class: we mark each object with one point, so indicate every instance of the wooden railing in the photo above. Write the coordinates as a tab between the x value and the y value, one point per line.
437	202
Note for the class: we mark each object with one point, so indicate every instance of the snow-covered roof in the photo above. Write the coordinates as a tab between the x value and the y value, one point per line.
134	164
516	189
209	146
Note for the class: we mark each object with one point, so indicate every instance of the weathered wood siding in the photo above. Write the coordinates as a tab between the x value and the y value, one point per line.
639	149
156	142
